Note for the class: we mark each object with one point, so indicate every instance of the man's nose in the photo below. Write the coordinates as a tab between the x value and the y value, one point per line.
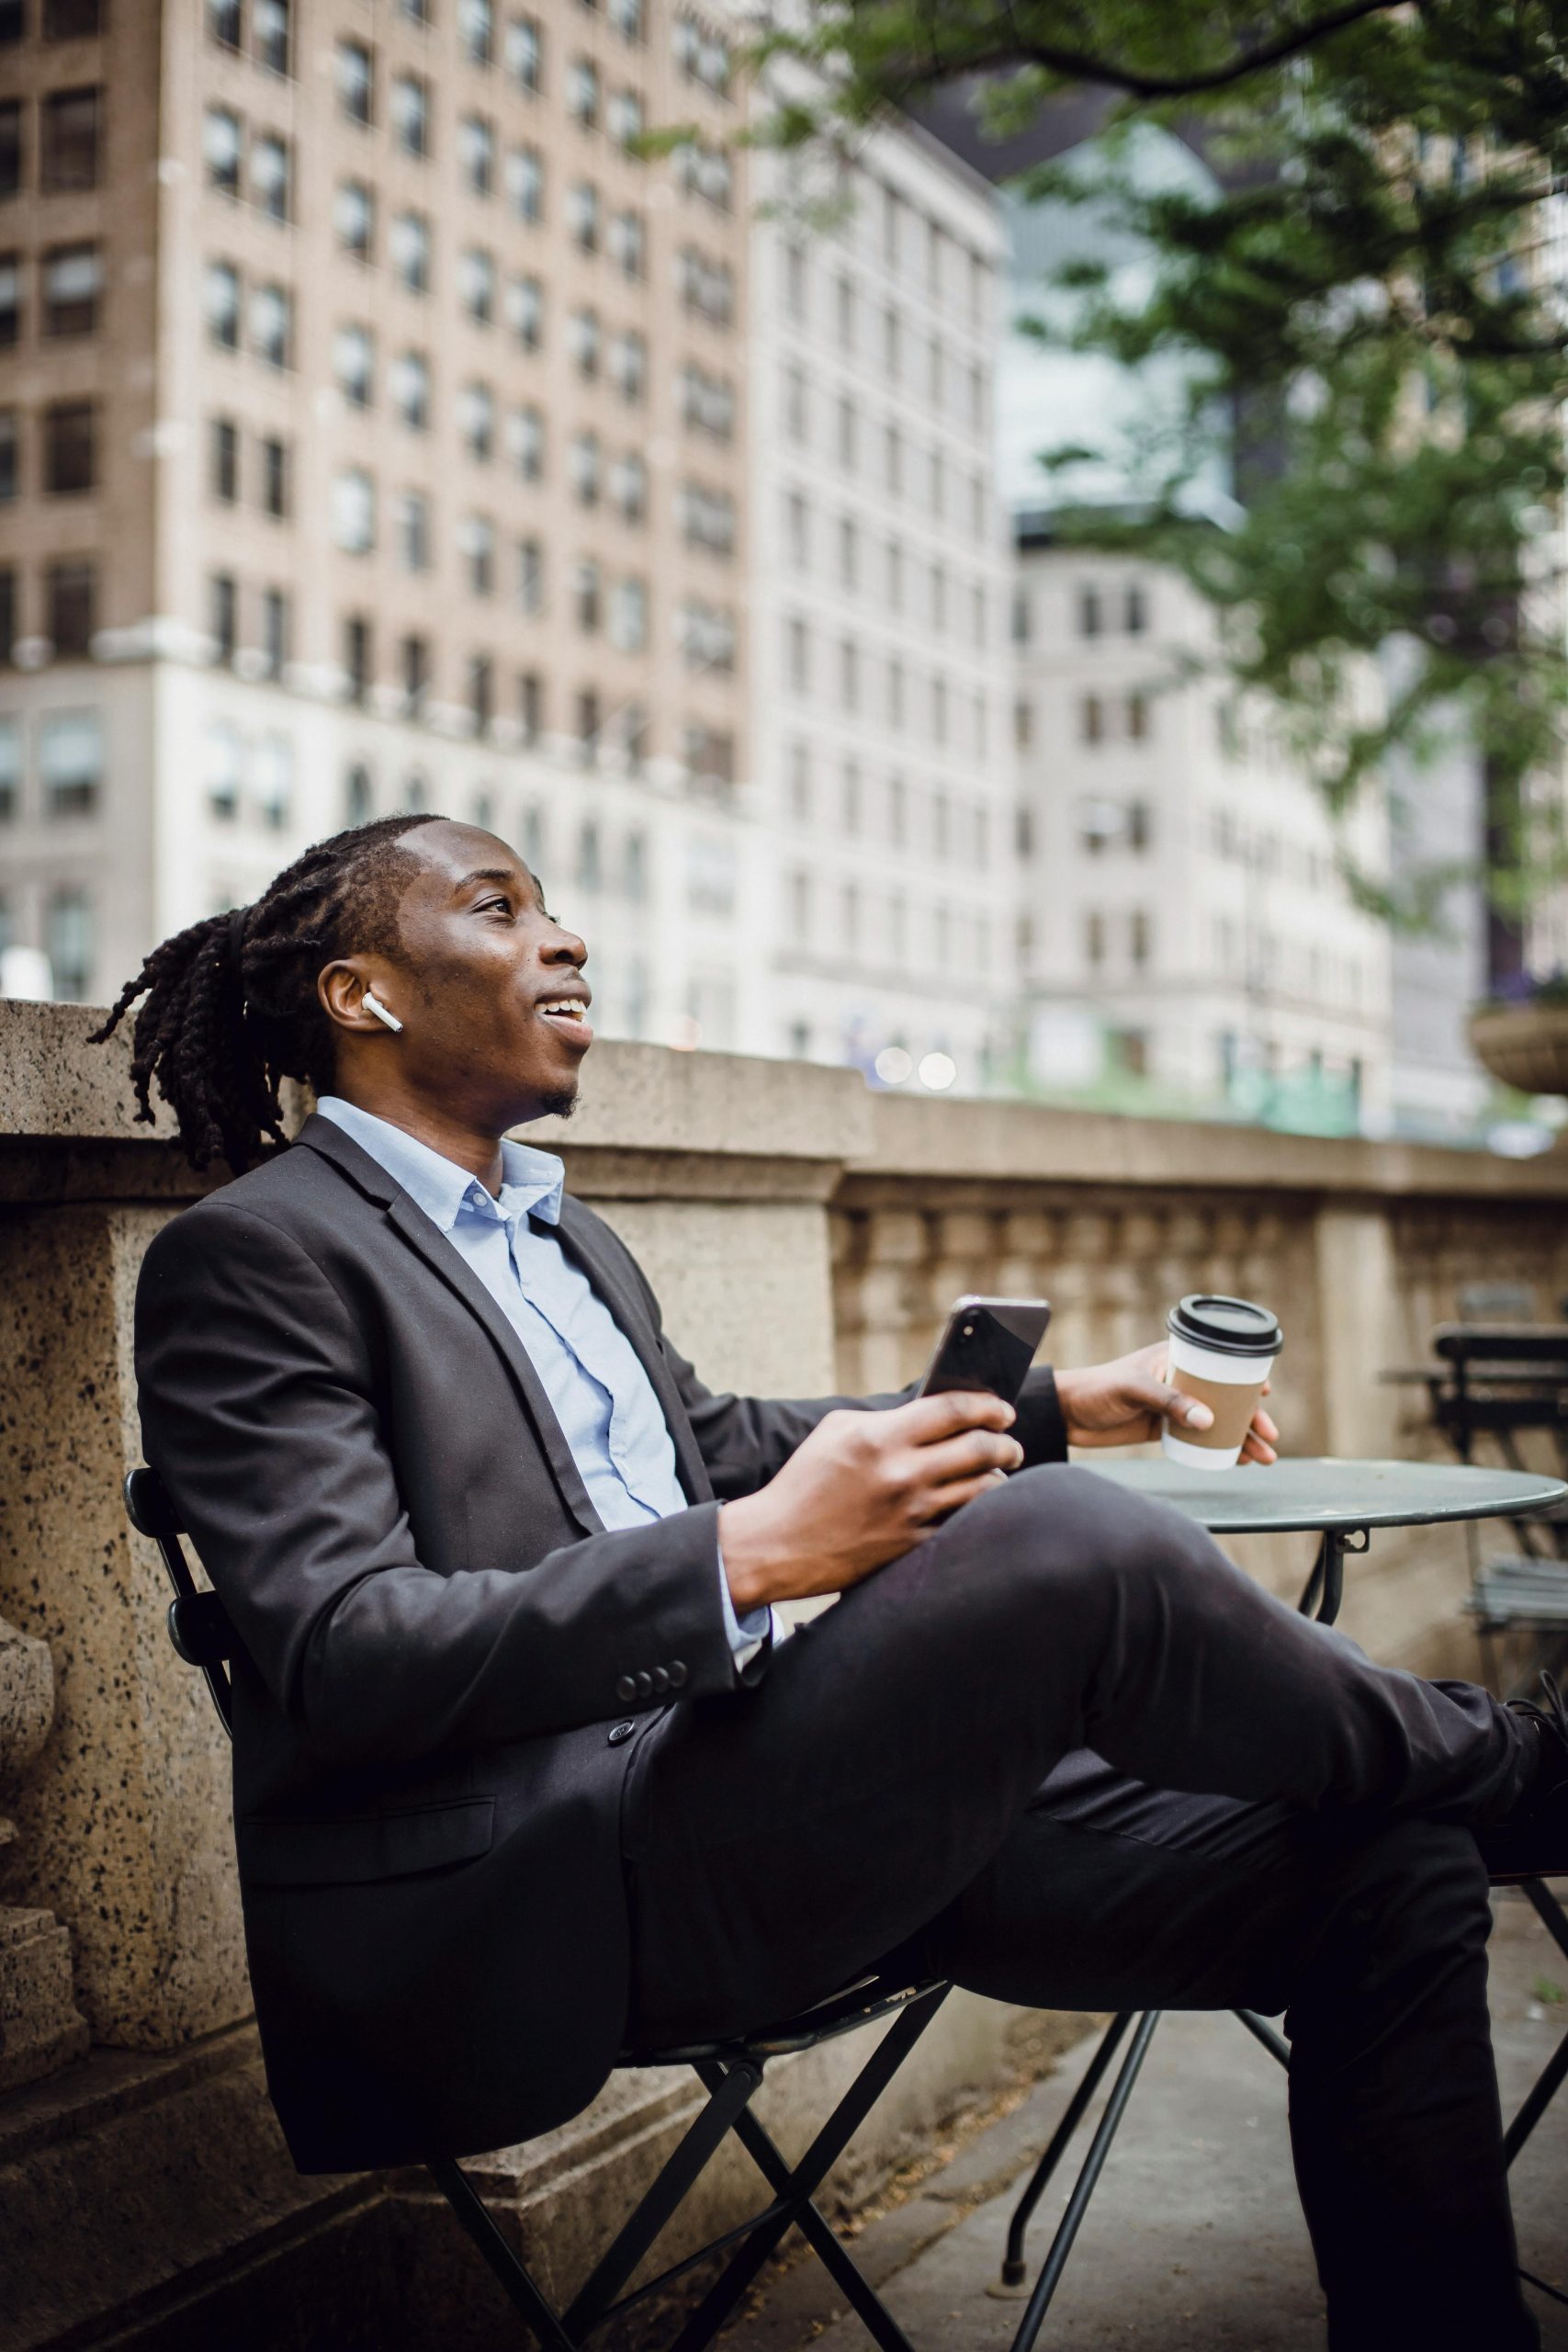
565	948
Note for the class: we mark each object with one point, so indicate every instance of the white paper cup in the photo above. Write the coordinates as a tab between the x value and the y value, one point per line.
1229	1380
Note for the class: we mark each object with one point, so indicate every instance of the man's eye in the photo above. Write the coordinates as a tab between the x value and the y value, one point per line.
504	904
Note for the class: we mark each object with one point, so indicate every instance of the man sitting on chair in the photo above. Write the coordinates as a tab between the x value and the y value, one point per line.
522	1778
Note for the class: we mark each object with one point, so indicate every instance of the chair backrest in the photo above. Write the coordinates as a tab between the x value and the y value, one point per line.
1496	1303
200	1625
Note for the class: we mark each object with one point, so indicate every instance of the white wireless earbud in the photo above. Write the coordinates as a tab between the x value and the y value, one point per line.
373	1003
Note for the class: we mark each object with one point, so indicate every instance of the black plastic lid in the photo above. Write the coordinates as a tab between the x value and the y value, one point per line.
1231	1327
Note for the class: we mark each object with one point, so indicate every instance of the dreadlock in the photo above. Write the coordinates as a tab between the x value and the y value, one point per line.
232	1006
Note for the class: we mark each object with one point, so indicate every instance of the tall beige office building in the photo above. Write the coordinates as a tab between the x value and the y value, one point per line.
371	438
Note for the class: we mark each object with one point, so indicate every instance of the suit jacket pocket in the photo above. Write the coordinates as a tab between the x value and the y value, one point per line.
354	1848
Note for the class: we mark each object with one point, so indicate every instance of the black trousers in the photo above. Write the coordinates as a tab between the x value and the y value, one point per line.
1068	1754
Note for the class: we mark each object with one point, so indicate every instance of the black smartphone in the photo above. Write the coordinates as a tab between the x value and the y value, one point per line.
987	1343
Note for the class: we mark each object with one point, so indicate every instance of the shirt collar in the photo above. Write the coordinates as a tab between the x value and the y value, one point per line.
532	1181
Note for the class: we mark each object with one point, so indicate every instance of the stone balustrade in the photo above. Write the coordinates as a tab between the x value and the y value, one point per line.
802	1234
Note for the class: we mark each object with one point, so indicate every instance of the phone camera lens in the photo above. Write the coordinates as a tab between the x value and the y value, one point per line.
968	1330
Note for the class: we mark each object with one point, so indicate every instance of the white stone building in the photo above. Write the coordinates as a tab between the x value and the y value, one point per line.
1186	919
882	766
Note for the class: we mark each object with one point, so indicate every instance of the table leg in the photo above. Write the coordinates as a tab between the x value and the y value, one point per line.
1325	1588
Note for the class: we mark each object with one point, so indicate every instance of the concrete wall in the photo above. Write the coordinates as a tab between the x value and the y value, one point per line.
786	1217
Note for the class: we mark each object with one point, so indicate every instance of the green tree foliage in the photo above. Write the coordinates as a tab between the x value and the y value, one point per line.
1371	315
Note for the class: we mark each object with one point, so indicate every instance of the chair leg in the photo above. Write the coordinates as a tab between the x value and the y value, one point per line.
1262	2030
808	2174
728	2098
1015	2270
1084	2186
818	2234
472	2210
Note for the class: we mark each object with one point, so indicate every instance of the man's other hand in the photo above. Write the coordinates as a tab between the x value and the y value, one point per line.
862	1488
1129	1401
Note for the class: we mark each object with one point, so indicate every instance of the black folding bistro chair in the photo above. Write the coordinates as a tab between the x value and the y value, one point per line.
730	2072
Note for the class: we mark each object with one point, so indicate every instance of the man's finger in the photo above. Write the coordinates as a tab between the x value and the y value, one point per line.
967	1455
926	1421
1159	1396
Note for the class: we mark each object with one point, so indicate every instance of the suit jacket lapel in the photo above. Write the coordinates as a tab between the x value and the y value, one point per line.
580	1238
450	1266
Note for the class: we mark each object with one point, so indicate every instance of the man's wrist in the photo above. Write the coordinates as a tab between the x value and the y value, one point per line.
745	1556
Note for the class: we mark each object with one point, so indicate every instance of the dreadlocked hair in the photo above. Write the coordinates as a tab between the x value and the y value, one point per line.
231	1009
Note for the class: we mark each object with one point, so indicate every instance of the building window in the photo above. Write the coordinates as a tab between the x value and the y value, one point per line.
10	299
707	286
8	613
476	422
629	487
275	632
626	16
1091	612
70	606
525	53
475	544
353	76
706	635
628	243
589	718
849	674
69	944
70	449
225	22
525	313
708	402
526	183
707	518
408	387
71	763
526	443
274	478
409	245
1135	610
412	531
582	93
220	146
530	577
72	130
629	616
223	461
476	284
274	781
358	660
586	599
411	114
1094	941
414	665
476	30
272	324
10	791
223	615
799	642
481	693
893	460
1139	937
416	793
476	154
701	56
1137	717
353	510
625	121
1140	829
353	218
353	365
270	177
222	305
358	794
1022	723
269	32
582	215
1092	719
583	469
530	723
849	434
627	364
73	284
584	340
10	455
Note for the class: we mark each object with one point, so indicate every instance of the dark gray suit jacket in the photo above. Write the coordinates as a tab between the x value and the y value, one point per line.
431	1712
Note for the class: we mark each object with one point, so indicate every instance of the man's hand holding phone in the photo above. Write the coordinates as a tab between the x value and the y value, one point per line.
862	1488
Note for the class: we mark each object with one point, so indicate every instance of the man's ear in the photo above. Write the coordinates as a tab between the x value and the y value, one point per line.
340	988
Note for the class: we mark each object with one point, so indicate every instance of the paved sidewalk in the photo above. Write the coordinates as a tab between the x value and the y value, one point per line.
1194	2242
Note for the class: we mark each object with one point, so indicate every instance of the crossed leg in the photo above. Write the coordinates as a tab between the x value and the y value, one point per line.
899	1774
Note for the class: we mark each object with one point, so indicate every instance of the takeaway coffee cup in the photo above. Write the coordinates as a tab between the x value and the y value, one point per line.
1222	1352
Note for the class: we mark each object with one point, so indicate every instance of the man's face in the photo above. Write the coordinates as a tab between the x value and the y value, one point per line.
489	986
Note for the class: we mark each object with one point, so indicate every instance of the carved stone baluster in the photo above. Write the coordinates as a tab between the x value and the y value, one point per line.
39	2027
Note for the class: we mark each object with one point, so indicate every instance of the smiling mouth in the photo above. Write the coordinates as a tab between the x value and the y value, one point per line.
570	1011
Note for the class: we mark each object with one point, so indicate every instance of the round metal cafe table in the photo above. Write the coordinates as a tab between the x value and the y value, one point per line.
1340	1501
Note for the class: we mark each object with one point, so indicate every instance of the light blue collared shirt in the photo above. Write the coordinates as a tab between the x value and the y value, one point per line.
598	1389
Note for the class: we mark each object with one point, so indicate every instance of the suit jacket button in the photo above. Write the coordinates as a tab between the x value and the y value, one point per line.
618	1732
677	1674
661	1679
645	1686
626	1689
